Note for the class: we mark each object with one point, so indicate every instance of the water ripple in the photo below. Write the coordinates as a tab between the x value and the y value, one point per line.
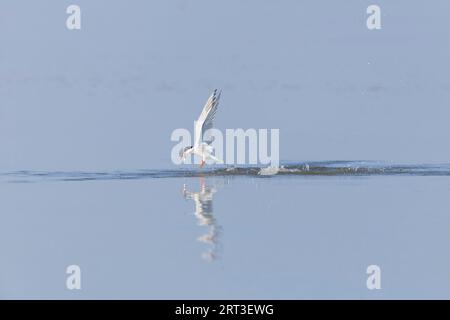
318	168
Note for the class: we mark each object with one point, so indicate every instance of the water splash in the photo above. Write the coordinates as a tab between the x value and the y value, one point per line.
319	168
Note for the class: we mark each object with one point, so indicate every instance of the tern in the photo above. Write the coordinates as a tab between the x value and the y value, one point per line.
202	144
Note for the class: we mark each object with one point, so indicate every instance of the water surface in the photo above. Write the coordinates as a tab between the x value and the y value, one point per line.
189	234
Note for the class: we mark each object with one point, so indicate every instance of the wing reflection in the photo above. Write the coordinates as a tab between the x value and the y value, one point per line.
203	200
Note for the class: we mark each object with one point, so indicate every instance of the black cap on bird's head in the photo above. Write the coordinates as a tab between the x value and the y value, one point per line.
184	150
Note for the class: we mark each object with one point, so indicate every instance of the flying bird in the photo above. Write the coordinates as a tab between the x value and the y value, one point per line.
202	144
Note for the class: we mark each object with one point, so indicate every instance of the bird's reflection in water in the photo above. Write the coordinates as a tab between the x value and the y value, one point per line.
203	200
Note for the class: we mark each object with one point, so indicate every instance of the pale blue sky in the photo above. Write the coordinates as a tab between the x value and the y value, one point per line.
108	96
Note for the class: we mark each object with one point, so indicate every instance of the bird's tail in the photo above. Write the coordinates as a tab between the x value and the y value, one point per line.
217	160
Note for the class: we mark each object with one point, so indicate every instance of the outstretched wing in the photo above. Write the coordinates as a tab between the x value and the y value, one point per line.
205	121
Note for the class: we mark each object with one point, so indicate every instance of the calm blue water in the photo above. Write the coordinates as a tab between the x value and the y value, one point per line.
208	234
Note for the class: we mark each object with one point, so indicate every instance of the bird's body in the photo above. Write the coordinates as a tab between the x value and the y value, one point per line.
202	144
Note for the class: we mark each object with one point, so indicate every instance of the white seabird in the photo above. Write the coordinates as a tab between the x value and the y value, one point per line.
202	144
